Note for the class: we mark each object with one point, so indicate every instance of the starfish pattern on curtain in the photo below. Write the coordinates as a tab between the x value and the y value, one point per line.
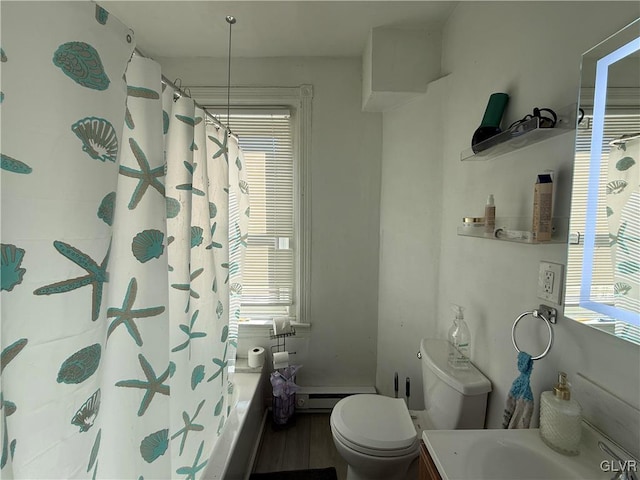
120	188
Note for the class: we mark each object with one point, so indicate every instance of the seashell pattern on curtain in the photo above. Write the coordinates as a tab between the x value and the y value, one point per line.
118	323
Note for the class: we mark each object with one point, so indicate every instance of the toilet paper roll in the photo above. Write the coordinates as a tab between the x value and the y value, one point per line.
256	357
280	360
281	325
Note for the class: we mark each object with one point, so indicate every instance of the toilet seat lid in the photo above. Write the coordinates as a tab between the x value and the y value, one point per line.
375	422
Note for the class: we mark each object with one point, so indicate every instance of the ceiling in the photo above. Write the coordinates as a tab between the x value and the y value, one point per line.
268	28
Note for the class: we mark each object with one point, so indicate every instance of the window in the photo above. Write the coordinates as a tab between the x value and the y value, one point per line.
272	125
269	281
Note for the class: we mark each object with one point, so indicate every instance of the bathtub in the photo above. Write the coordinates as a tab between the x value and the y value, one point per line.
234	453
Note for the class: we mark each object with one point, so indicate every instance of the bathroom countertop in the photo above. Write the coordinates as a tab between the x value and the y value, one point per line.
514	454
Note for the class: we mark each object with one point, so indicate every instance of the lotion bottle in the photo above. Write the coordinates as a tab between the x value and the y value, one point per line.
490	215
561	418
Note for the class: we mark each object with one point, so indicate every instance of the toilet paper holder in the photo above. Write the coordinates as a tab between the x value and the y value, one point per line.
281	342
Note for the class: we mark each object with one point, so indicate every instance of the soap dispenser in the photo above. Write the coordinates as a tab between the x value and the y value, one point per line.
561	418
459	340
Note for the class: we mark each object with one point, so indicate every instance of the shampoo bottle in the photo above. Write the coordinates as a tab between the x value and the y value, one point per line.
560	418
459	340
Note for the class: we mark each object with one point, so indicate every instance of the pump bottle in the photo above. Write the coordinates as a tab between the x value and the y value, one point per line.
459	340
560	418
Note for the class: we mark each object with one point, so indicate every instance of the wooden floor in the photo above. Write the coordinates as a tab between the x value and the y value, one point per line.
305	444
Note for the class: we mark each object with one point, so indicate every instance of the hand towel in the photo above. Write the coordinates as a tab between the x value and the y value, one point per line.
519	408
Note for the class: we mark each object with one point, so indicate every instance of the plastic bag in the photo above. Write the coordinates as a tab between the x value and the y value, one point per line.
283	381
284	394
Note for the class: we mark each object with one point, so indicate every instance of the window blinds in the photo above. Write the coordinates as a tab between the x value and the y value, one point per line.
265	136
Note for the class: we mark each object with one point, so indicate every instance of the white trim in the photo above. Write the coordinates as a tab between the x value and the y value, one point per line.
265	329
304	215
337	390
324	399
300	98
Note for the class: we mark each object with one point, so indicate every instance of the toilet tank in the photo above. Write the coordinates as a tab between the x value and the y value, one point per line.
454	398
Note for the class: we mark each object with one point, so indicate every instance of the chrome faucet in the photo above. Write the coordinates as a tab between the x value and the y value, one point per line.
626	468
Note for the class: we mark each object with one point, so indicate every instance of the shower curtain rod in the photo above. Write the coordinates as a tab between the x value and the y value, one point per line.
182	91
624	139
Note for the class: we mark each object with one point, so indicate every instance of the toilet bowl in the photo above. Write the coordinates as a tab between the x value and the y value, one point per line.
376	435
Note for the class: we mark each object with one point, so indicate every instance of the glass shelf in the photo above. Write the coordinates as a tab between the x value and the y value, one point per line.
518	230
527	133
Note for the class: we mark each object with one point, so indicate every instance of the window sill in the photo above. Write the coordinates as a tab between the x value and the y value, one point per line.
263	327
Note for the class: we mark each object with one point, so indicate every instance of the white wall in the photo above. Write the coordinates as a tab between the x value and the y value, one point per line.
532	51
340	348
410	218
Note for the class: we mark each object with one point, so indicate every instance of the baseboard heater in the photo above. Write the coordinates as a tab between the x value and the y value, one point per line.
323	399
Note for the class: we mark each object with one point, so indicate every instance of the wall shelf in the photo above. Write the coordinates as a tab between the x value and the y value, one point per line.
518	230
528	133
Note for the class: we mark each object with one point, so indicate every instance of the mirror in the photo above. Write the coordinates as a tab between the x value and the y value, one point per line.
603	266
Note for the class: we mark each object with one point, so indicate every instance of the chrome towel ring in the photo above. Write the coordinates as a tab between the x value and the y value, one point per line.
548	321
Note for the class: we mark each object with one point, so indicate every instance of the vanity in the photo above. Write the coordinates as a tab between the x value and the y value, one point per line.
427	469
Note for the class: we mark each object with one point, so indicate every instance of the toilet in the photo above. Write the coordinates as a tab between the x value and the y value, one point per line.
376	435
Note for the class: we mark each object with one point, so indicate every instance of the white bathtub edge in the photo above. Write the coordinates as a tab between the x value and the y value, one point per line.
233	455
256	446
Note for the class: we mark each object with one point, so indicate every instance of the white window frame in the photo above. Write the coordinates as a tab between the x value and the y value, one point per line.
299	100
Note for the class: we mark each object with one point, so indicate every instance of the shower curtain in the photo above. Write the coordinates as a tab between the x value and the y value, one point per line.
124	219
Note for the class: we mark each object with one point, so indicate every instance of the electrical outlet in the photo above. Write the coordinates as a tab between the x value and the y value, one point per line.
547	287
550	282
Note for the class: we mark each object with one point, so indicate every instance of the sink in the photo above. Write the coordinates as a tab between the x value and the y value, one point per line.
500	459
511	454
